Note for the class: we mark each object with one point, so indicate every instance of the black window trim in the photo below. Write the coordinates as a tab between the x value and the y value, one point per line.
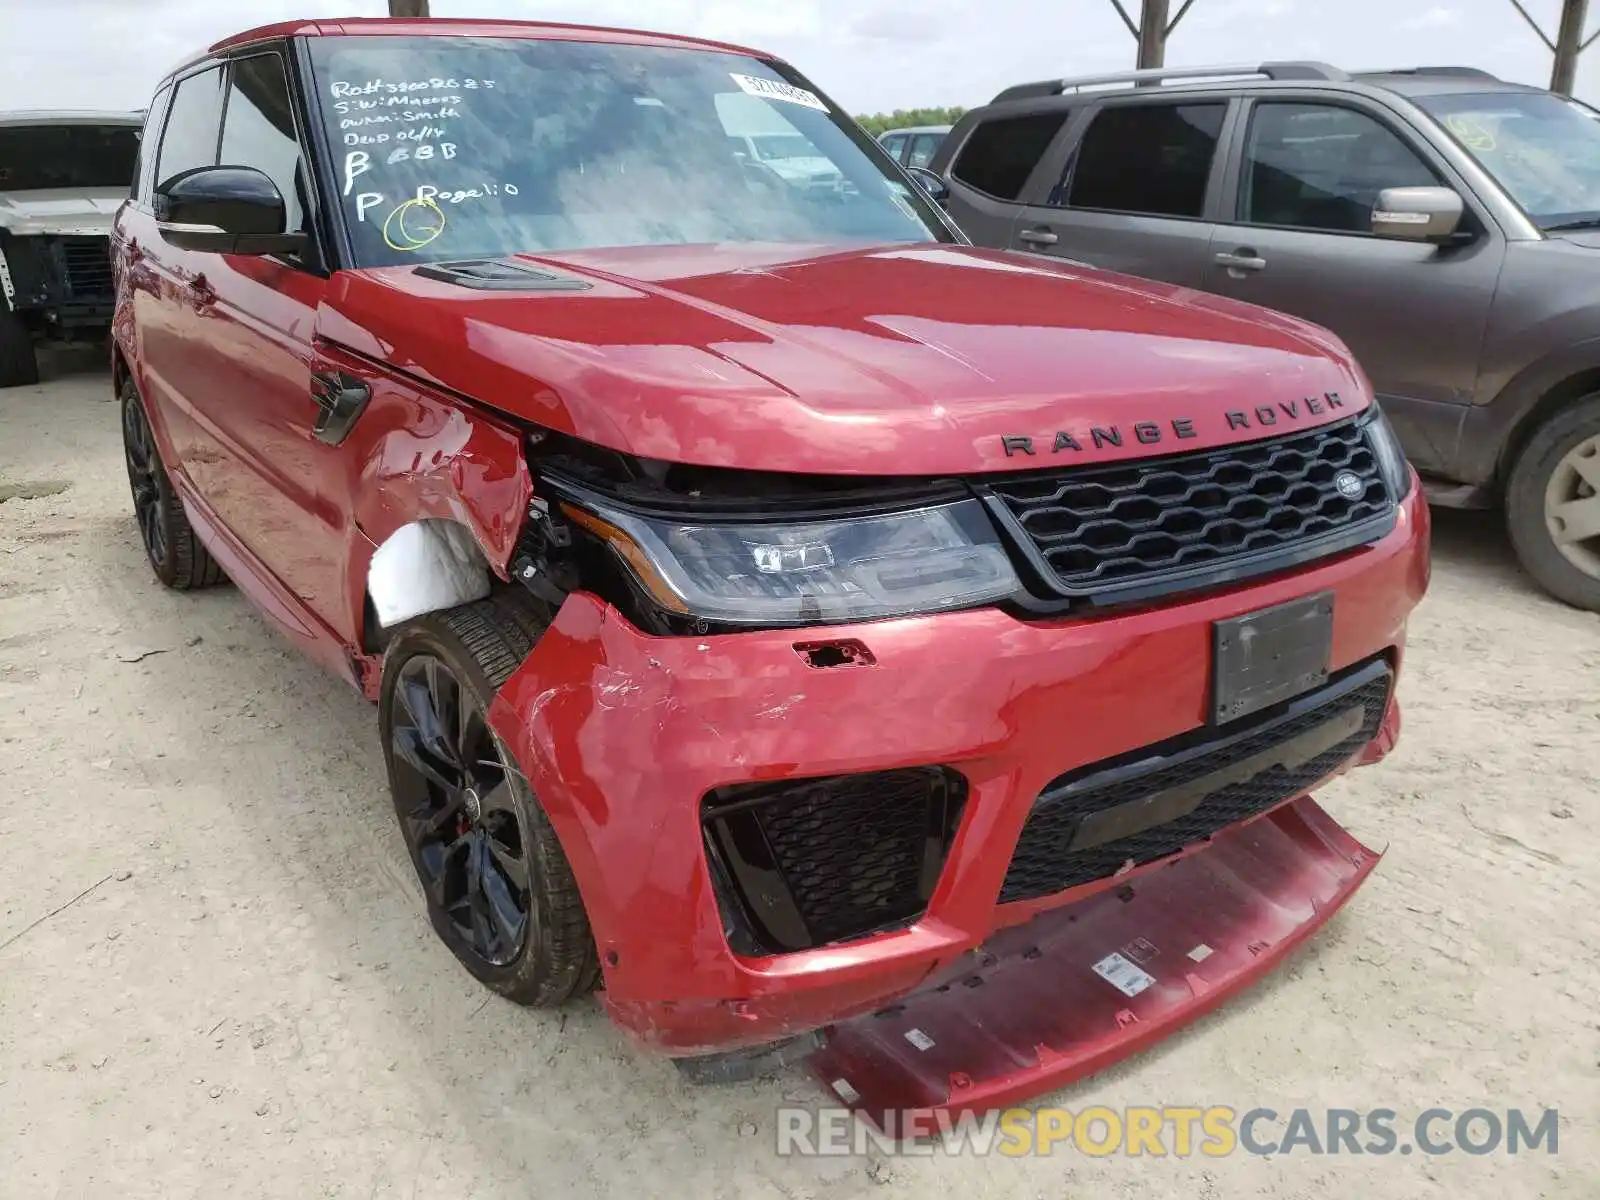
316	260
1476	217
334	235
1071	111
1210	205
327	254
173	82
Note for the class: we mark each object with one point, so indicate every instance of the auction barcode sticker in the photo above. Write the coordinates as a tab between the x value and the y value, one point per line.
772	89
1123	975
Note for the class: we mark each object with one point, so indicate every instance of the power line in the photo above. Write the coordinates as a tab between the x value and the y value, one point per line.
1154	28
1569	41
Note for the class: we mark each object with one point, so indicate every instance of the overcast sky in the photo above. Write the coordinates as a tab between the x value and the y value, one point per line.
870	55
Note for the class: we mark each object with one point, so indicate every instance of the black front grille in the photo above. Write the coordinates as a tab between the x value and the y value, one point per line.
1236	771
800	863
1124	531
86	263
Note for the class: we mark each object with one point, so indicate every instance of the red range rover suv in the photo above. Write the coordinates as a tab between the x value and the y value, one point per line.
776	608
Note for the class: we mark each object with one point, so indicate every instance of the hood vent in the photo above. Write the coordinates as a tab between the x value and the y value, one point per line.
501	275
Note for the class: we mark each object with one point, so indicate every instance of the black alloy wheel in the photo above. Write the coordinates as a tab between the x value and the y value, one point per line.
177	556
500	892
139	448
454	798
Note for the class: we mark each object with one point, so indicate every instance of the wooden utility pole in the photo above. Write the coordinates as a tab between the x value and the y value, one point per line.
1153	28
1569	42
408	8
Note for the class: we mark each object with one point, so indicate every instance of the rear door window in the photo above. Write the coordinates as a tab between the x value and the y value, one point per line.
923	147
1001	153
193	126
259	131
1145	158
895	146
1321	166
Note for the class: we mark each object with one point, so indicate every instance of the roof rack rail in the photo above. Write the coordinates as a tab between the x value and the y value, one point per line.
1160	75
1469	72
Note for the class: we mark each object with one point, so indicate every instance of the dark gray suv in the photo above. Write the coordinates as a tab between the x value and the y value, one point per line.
1443	223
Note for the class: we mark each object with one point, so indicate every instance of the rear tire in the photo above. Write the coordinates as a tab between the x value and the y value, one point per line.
176	554
499	890
1556	473
19	364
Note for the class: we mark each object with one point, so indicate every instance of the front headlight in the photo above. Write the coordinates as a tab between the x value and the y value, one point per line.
852	568
1391	458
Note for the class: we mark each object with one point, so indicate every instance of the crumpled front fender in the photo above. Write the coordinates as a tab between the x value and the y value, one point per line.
417	455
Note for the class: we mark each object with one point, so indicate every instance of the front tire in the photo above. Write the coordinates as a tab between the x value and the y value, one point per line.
19	363
1553	504
176	553
499	890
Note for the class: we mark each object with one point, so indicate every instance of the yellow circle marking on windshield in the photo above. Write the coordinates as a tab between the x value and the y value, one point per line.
396	221
1474	134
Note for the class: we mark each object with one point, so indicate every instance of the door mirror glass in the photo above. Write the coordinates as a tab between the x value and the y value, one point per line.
938	191
1417	214
224	210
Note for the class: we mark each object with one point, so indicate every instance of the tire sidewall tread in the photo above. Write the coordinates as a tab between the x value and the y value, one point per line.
1525	490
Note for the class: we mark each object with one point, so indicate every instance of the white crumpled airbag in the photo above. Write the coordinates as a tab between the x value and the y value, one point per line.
424	567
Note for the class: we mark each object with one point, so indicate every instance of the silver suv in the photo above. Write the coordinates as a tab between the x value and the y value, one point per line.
1443	223
63	176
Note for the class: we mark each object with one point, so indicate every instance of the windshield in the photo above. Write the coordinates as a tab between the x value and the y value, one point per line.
73	157
1545	151
456	147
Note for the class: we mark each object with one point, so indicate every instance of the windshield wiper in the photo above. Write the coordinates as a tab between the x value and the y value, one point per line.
1580	223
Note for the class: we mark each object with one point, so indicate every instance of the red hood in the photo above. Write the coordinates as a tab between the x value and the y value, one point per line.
913	360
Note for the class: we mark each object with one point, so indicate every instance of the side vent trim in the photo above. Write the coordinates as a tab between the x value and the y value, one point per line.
340	399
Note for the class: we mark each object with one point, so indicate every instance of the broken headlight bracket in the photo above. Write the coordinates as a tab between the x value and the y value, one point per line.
541	561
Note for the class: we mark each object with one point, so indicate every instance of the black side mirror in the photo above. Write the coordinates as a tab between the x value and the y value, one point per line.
225	210
938	191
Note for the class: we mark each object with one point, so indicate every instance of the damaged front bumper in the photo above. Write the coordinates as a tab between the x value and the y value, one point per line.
1044	1004
647	753
64	281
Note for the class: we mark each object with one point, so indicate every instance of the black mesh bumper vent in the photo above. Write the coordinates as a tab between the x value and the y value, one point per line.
1088	823
801	863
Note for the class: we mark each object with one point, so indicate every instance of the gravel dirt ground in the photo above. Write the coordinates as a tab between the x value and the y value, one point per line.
216	979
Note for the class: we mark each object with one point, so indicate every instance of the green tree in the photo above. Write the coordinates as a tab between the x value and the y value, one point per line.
876	123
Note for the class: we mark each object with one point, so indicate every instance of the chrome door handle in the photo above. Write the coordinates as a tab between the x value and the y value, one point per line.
1243	260
1038	237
